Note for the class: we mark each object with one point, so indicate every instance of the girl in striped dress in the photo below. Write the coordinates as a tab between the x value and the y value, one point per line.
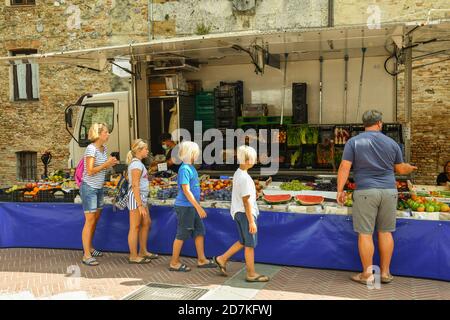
138	204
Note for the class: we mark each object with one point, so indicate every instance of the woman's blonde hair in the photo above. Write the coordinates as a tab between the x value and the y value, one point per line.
136	146
95	131
188	150
246	154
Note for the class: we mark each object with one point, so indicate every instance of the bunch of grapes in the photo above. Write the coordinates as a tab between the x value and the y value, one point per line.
221	195
167	193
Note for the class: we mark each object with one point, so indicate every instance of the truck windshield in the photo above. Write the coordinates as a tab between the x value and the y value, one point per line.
96	113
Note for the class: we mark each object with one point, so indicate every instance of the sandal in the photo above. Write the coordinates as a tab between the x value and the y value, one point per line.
259	278
358	278
90	262
387	279
210	264
151	256
223	268
142	261
96	253
182	268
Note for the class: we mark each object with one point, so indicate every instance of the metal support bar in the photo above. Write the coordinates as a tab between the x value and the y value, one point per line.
321	89
124	69
361	79
345	88
408	96
330	13
284	86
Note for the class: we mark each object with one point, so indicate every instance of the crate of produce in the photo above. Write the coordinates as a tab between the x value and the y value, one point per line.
71	195
342	134
5	196
30	195
46	195
308	159
302	135
17	195
59	196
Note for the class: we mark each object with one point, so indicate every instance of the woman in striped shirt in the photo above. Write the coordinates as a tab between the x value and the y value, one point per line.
96	162
138	204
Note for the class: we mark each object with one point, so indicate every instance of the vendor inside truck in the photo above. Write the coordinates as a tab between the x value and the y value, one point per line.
168	145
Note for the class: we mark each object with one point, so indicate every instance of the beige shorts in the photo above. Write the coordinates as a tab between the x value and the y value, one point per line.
374	208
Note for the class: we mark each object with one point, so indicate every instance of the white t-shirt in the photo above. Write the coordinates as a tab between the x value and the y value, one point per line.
143	182
243	185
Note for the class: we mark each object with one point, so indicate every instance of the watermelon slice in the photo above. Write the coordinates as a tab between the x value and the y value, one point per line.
309	200
277	199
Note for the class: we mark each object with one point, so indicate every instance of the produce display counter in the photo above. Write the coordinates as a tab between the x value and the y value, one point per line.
315	240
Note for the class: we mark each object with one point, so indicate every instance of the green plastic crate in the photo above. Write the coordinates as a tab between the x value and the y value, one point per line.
201	114
204	98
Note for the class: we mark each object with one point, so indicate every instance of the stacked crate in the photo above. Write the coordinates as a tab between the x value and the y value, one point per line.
204	109
229	98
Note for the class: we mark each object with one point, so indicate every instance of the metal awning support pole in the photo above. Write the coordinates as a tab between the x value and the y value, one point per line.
284	87
321	90
361	79
408	97
345	87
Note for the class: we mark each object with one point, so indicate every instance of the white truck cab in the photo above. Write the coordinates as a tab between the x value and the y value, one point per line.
112	108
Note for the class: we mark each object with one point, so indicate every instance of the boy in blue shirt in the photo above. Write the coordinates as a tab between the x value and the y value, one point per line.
188	210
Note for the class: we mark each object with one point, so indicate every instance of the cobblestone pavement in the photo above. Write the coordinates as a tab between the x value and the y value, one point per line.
59	274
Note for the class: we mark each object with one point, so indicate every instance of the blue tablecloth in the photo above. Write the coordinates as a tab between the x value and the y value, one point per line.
422	248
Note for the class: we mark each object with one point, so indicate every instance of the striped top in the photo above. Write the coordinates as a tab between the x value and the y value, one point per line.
95	181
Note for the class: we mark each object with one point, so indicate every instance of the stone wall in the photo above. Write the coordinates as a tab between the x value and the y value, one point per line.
430	130
187	17
349	12
53	26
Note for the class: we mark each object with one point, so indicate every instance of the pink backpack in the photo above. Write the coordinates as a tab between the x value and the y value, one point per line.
79	172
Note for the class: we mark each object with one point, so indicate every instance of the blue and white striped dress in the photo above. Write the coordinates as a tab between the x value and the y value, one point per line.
97	180
143	184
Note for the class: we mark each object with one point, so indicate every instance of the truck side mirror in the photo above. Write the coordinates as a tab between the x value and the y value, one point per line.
68	117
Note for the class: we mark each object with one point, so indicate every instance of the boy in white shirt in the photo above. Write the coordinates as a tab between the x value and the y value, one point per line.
244	211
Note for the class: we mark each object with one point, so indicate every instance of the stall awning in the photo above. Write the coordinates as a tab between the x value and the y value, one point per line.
223	49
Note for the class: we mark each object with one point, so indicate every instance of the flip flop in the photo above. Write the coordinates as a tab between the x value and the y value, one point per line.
387	279
96	253
358	278
142	261
223	269
260	278
182	268
90	262
211	264
151	256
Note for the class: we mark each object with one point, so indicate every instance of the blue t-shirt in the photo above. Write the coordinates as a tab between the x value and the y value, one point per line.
187	175
373	156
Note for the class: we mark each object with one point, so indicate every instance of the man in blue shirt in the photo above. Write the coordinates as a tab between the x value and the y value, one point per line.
375	159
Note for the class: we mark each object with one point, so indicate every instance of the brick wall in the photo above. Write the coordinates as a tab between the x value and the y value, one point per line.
430	130
52	26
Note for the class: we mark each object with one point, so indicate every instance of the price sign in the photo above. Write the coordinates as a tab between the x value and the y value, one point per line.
162	167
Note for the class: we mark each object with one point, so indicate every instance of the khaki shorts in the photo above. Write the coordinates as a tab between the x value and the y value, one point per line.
374	208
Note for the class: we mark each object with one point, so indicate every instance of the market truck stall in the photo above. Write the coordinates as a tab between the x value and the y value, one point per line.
312	86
